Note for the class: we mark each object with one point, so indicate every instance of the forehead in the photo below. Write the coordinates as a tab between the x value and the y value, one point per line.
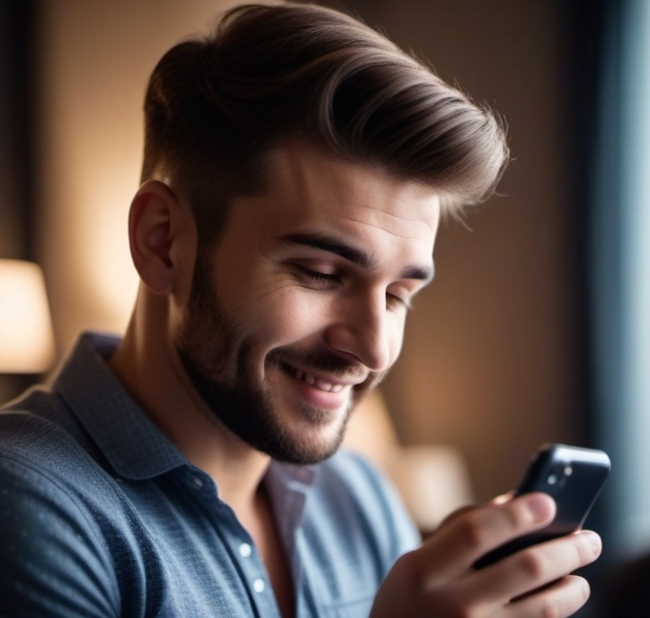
308	185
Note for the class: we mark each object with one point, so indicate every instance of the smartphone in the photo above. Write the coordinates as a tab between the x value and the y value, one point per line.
574	477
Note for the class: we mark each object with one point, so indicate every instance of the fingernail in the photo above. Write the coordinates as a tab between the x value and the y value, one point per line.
540	507
594	541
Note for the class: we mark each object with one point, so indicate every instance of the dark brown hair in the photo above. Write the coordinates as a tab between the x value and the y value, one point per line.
215	106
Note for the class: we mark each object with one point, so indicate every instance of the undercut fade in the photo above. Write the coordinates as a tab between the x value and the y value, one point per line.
215	107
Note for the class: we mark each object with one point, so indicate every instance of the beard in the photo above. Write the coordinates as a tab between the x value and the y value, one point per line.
218	357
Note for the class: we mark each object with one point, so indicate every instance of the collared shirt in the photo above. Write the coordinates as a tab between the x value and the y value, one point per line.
102	516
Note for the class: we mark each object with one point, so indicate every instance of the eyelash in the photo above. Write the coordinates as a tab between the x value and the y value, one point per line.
315	276
320	278
401	302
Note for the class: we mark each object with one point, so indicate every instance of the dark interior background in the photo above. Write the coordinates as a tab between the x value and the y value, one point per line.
497	357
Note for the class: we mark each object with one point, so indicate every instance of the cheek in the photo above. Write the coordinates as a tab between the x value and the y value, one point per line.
395	346
297	315
281	315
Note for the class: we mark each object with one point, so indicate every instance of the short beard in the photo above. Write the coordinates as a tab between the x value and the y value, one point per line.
211	344
249	414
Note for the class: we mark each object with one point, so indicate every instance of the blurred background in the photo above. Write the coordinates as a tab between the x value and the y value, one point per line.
537	328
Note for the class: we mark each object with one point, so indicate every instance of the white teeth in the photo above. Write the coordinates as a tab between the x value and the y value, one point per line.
313	381
324	386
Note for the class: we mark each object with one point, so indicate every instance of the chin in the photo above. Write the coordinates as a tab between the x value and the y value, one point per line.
298	444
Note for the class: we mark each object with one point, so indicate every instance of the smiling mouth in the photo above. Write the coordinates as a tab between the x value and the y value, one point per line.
312	380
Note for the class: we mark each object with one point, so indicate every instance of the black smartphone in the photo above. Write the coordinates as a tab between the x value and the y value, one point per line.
573	476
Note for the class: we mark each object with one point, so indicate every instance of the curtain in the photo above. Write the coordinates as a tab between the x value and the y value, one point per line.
619	252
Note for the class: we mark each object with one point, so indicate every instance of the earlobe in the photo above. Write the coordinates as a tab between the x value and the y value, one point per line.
151	237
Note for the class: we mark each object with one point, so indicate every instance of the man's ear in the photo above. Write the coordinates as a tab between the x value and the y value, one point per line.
151	234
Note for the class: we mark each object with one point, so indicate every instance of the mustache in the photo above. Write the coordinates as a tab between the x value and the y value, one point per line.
317	361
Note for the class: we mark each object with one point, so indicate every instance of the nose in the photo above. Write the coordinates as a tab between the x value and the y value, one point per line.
362	330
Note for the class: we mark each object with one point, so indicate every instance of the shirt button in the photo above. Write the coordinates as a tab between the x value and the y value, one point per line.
245	550
259	585
196	482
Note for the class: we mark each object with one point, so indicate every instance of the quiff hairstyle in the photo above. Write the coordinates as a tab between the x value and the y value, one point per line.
215	106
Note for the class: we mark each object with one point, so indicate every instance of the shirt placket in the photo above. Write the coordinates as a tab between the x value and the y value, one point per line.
239	545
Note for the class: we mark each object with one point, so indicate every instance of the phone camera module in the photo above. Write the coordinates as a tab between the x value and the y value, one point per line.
560	474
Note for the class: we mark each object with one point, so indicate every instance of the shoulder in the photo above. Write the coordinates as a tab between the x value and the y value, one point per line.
68	536
48	473
28	436
37	435
48	541
40	413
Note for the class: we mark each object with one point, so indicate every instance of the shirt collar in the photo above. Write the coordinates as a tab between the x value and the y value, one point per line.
126	436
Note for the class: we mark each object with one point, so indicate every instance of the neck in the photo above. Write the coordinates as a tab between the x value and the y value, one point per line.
148	366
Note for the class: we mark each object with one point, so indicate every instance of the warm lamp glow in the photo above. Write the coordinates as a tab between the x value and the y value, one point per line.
433	481
26	338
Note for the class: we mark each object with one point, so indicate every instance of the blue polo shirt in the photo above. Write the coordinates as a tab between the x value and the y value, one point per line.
101	515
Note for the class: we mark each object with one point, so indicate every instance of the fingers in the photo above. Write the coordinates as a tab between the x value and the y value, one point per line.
438	579
563	598
530	583
466	537
539	565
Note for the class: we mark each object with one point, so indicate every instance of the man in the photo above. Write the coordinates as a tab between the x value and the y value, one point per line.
296	166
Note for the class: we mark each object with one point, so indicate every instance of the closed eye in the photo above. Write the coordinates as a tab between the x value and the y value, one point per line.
397	302
319	280
316	278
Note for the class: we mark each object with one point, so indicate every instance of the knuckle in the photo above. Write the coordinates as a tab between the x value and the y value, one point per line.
411	570
551	611
533	564
479	528
517	516
414	574
474	533
567	598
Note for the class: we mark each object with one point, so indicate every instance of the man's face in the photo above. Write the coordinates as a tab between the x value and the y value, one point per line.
300	308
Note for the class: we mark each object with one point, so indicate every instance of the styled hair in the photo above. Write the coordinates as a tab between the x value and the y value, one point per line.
215	106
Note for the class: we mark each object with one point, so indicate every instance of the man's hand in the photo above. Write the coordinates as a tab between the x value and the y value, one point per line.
438	579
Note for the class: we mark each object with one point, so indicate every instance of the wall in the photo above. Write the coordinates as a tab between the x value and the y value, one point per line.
491	361
12	160
96	57
16	132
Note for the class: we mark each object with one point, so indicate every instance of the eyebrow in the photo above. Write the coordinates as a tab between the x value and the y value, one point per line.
355	255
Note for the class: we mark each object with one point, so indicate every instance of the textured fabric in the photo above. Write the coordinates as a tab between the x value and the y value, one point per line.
100	515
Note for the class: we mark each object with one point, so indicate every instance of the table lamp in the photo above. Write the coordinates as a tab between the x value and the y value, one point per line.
26	337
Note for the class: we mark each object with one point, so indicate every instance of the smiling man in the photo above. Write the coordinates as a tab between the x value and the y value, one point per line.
296	168
282	340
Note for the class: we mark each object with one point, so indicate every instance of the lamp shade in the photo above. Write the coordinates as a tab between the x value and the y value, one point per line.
26	337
